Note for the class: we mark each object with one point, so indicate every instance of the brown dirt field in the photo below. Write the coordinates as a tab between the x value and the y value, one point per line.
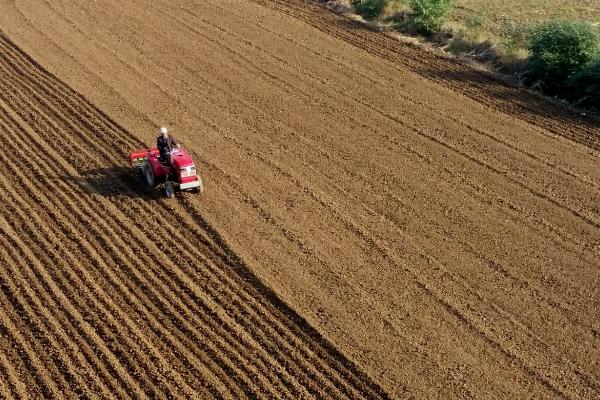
378	221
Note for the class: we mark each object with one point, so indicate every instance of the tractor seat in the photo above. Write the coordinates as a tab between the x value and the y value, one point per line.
164	161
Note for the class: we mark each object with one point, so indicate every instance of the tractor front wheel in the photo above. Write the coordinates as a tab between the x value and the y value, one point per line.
200	188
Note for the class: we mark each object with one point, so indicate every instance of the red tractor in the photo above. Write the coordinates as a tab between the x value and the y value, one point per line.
176	174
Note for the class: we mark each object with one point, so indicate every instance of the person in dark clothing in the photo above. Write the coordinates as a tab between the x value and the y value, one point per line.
165	143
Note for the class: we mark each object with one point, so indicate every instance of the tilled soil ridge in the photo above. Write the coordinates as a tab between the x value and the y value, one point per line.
113	296
440	230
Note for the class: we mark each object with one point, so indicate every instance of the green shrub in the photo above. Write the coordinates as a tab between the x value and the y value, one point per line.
427	16
585	85
559	49
369	9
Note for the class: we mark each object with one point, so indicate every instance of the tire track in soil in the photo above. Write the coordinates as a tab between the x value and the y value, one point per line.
422	157
346	66
291	326
527	154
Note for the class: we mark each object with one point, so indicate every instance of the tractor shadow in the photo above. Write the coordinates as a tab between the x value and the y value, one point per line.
114	182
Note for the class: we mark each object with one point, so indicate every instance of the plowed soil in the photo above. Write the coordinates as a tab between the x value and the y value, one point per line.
378	221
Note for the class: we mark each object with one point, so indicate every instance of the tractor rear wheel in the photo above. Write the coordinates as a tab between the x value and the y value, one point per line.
149	176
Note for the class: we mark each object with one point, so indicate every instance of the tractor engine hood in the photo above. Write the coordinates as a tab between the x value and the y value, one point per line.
181	159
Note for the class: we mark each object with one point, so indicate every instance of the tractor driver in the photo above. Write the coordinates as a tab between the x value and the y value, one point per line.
165	144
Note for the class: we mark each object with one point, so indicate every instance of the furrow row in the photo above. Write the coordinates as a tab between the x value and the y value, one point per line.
85	311
551	303
32	302
345	66
183	251
554	229
312	373
447	72
123	262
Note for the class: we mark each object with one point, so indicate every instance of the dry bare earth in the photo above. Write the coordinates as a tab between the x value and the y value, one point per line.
125	295
378	221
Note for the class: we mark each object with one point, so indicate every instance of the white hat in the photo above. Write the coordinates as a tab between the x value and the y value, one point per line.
163	130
